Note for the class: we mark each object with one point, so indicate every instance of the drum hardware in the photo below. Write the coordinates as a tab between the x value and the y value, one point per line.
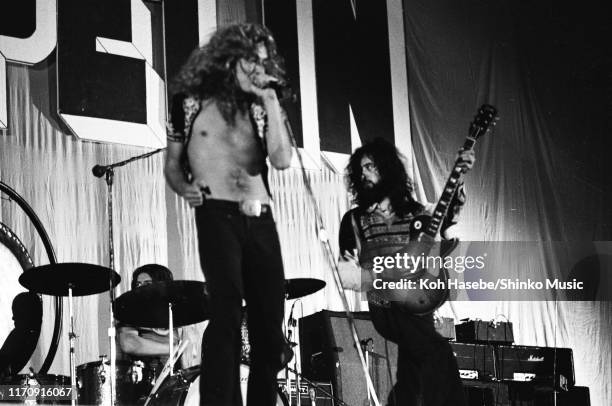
167	370
164	305
69	279
337	400
296	289
136	371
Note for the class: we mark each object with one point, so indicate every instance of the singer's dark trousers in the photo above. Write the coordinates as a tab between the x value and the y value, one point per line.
240	257
427	372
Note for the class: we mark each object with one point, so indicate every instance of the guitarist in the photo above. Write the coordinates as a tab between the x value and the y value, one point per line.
427	373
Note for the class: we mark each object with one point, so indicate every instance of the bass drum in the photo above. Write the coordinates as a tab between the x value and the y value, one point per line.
183	389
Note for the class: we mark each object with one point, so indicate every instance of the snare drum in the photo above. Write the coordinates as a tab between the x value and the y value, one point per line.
134	382
183	389
28	385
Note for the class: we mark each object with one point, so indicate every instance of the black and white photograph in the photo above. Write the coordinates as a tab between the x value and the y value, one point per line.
305	203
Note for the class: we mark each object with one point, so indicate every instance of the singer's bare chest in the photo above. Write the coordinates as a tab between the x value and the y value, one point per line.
215	139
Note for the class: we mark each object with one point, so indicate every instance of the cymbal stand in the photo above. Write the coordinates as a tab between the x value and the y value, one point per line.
100	171
72	339
291	324
171	336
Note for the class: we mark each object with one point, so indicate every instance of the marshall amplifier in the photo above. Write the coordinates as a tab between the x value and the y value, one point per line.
480	331
544	366
475	361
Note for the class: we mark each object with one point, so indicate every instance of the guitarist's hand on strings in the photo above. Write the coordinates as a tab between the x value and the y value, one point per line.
465	159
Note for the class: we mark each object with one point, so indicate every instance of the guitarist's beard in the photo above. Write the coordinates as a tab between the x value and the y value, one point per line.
370	193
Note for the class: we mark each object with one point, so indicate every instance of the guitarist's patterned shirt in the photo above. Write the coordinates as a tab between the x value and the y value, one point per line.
374	234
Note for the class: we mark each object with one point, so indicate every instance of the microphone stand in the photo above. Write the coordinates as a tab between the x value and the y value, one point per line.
324	238
109	173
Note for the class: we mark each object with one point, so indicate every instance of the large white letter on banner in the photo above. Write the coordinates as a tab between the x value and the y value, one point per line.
88	113
29	50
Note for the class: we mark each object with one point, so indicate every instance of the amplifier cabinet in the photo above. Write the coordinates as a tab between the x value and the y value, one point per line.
479	393
475	361
479	331
543	366
329	355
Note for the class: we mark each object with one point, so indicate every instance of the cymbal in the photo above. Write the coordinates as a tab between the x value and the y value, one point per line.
55	279
147	306
299	287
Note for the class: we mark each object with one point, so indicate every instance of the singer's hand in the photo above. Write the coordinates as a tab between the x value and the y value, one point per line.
194	193
253	79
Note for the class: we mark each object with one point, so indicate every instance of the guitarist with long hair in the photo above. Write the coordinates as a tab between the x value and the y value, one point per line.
427	373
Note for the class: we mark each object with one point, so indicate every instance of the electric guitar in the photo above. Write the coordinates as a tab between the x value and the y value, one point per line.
423	231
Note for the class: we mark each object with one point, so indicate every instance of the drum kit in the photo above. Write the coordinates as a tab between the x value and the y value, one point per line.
160	305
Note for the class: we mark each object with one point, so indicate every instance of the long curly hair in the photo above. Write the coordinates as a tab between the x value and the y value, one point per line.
209	72
394	181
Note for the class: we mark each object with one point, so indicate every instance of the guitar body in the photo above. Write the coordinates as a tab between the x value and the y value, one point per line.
419	299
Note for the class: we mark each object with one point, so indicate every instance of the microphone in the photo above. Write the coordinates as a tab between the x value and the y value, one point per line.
280	86
99	170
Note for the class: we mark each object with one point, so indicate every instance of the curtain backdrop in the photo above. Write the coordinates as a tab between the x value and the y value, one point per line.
539	176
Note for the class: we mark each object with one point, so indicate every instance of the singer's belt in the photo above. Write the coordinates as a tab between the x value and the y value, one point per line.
250	208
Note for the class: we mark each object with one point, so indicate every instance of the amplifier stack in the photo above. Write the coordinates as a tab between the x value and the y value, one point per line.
494	371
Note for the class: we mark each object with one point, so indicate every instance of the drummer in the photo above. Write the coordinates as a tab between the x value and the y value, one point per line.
149	345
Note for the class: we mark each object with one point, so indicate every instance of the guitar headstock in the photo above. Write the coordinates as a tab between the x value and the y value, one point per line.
487	116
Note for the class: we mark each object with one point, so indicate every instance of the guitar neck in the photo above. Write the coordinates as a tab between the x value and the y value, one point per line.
447	195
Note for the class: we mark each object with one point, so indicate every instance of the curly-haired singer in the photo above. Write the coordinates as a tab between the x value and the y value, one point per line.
225	120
